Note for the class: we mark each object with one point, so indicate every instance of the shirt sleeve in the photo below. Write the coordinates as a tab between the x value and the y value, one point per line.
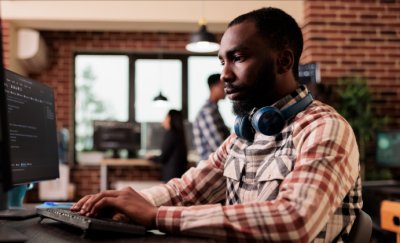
204	184
326	168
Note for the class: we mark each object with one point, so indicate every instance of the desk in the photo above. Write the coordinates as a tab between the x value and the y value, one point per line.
121	162
52	231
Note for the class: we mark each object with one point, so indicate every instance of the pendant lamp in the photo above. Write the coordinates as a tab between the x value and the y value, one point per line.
202	41
160	99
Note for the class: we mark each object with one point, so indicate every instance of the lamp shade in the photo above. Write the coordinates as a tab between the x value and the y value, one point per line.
202	41
160	98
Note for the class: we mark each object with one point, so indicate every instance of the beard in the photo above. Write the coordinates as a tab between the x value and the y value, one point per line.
259	95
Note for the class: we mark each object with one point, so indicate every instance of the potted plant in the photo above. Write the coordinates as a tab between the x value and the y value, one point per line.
355	104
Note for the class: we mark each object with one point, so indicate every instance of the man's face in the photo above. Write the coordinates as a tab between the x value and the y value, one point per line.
249	68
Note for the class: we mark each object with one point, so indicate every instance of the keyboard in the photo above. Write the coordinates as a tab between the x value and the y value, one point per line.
88	224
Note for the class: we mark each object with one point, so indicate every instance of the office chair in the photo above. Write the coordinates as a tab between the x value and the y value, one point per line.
362	229
390	217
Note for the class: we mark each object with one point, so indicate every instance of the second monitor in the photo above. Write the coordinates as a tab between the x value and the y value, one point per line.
116	136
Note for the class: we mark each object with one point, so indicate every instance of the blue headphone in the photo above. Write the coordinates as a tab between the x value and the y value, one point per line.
268	120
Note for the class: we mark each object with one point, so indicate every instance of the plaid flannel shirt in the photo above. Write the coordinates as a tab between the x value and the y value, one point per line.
209	130
300	185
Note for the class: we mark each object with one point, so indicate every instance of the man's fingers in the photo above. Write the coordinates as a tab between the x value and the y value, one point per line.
87	206
78	205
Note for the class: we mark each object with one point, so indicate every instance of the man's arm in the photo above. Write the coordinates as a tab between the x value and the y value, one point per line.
203	184
326	168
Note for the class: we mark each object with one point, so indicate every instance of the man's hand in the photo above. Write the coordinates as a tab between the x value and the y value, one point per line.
126	201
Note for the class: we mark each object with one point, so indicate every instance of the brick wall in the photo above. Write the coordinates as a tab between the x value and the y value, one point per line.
6	42
357	38
87	178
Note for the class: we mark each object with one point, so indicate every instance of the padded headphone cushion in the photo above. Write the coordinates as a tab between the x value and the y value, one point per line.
243	128
268	120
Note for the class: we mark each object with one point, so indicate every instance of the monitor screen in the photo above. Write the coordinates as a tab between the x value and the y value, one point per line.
116	135
28	135
32	129
309	73
388	148
152	136
5	169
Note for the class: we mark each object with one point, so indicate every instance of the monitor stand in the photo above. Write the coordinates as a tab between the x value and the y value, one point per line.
14	213
8	234
17	213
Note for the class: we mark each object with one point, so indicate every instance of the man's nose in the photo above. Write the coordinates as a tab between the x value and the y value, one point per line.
227	74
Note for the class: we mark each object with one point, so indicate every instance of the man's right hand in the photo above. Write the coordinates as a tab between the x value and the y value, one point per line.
126	201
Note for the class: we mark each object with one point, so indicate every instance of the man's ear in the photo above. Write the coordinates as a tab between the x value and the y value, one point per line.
285	61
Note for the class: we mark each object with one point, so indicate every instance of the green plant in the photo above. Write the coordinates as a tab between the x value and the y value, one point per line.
355	104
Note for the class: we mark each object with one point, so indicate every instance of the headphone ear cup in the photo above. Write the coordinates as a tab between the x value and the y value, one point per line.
268	120
243	128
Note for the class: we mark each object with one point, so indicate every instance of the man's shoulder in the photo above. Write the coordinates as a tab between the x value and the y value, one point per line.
319	113
320	109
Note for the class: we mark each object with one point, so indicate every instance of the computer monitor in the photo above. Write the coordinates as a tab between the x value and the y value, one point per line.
189	136
309	73
29	113
152	136
388	149
5	168
116	136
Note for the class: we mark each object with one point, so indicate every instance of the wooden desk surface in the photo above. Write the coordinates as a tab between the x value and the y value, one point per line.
52	231
135	162
129	162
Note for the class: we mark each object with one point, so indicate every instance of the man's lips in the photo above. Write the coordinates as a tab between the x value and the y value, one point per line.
233	93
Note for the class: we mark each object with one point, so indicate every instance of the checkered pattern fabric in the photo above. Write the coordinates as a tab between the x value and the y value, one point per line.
301	185
209	130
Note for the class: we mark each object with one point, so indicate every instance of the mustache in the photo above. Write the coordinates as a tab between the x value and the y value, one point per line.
231	88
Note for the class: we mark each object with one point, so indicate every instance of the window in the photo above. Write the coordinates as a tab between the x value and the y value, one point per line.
200	68
109	87
101	93
153	76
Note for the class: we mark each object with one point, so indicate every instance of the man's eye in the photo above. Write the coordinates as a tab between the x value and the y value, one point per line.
222	62
238	58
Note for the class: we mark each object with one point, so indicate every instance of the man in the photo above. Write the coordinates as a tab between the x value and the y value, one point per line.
301	184
209	129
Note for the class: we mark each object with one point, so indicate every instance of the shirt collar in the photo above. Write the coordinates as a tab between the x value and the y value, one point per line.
291	98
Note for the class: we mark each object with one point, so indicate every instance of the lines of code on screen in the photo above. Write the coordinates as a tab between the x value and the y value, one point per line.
32	129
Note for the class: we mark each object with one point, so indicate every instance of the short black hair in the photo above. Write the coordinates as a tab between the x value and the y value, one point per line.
213	79
279	28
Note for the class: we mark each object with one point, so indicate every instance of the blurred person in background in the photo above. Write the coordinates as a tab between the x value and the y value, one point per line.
173	157
209	129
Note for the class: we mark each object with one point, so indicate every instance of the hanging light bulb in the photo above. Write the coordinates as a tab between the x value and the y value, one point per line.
202	41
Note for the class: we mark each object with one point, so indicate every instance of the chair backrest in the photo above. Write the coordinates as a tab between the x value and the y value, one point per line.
362	229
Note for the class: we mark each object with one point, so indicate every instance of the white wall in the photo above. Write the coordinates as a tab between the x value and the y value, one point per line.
134	15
